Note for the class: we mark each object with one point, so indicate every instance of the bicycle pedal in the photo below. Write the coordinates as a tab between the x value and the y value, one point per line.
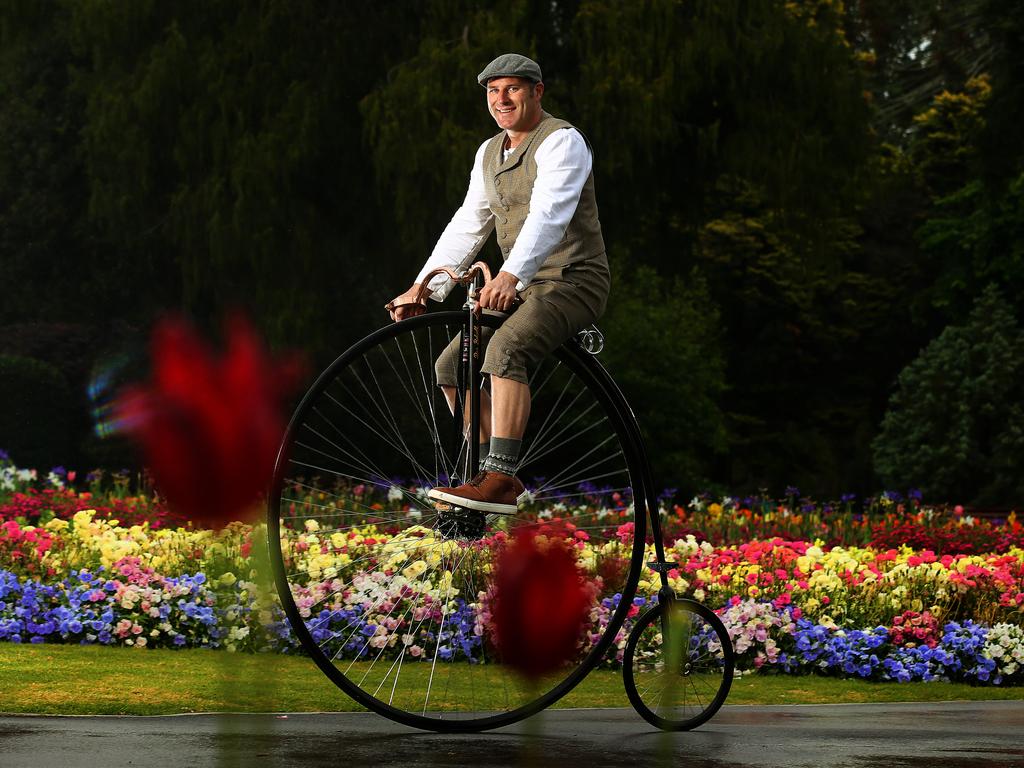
659	567
444	506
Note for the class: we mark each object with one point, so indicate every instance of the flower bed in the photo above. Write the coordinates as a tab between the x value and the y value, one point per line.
126	574
133	606
790	606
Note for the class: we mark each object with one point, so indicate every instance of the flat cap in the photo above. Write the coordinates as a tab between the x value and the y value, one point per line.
511	65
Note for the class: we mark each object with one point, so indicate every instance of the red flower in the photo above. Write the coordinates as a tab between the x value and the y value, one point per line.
209	427
540	604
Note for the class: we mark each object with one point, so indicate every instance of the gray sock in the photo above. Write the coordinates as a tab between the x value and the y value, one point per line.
503	456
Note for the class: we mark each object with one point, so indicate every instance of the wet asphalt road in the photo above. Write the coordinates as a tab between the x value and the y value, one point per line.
939	735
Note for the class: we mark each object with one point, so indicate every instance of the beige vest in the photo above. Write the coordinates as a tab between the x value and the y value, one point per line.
509	186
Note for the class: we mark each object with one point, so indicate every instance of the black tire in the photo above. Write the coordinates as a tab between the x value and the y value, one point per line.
372	427
682	689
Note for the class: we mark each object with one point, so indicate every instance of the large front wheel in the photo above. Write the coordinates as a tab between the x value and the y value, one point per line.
678	665
390	597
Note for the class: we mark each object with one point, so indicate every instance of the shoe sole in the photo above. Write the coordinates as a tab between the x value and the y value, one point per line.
478	506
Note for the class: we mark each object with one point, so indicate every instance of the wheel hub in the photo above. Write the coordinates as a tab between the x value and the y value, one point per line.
460	523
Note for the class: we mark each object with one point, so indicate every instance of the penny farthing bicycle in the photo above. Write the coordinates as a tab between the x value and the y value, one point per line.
390	595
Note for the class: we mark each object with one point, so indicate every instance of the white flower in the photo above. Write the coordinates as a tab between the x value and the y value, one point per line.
1005	646
395	493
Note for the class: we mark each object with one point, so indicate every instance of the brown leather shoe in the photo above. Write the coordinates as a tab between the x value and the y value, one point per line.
487	492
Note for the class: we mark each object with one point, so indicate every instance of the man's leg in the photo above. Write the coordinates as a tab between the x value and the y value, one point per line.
485	413
510	409
496	489
550	313
446	370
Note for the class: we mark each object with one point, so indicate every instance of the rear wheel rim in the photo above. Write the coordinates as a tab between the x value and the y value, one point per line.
679	684
376	622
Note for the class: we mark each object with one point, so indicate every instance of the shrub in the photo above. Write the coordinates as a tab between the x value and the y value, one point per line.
35	412
663	349
955	424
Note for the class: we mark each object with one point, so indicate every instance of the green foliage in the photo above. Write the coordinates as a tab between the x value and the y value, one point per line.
36	417
914	49
426	122
679	93
955	423
299	159
222	148
41	180
1002	152
974	233
663	348
944	144
793	327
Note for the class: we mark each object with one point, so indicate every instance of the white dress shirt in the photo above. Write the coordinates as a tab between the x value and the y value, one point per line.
563	164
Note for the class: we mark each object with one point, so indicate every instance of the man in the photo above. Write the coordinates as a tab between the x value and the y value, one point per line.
533	185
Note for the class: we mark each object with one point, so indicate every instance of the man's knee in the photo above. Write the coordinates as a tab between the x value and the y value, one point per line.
506	363
446	368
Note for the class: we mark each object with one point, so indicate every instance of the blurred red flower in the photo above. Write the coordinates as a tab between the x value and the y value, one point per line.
540	604
210	425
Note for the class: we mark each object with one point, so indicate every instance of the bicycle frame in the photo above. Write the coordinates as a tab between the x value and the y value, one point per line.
340	431
470	381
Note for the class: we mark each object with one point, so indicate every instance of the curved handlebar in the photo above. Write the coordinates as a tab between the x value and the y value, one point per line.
476	269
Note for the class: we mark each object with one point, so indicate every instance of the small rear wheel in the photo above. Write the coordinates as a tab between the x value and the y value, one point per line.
678	665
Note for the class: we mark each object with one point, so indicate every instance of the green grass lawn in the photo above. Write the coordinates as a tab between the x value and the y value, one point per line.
87	680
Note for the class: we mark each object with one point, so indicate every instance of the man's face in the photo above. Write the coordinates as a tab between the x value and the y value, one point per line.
514	103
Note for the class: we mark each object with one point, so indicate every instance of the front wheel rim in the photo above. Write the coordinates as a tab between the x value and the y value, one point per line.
461	553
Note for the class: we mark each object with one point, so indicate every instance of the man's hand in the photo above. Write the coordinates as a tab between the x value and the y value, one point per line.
500	293
412	308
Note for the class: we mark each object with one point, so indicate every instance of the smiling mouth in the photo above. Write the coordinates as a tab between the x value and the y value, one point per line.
505	111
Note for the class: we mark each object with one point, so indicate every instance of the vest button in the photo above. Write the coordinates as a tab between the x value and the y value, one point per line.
505	207
497	182
504	235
